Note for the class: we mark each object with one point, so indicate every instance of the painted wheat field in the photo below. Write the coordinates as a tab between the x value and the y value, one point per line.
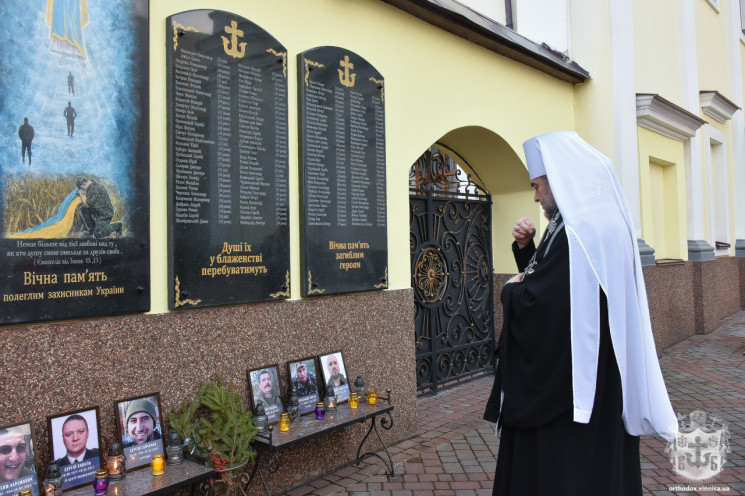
30	200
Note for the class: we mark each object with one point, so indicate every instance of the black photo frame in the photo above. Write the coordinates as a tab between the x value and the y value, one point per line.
303	377
18	459
341	388
78	427
141	438
273	405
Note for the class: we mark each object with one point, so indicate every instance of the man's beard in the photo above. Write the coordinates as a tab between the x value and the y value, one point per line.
549	208
549	212
336	376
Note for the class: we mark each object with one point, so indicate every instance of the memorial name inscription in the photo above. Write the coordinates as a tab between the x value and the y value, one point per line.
344	183
228	183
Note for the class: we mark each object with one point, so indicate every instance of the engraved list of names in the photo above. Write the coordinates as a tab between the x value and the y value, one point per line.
343	160
228	161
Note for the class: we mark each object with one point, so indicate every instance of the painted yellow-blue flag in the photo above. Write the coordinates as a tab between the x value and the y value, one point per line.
56	226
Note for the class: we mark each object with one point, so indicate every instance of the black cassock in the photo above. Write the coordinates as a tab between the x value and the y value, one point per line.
542	450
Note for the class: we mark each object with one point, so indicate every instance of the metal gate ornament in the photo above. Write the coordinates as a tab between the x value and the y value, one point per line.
450	240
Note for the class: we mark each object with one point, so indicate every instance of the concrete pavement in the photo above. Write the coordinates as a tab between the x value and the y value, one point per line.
454	451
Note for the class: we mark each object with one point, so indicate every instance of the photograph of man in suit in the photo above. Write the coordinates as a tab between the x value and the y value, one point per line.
75	437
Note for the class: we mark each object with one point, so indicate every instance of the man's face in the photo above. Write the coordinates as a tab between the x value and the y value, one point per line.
140	427
544	196
333	365
265	384
302	373
75	435
12	456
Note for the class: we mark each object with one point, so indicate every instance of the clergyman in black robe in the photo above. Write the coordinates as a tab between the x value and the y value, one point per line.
542	450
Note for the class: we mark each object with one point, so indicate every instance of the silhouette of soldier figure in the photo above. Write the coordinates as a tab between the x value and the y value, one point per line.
71	83
70	115
26	133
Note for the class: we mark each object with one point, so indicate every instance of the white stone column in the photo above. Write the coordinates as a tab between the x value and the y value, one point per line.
698	248
738	125
626	156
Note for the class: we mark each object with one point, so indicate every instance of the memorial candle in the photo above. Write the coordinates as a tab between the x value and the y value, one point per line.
320	412
53	481
284	422
101	484
115	462
159	464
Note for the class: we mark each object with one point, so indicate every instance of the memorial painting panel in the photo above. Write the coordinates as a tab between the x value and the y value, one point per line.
228	199
74	159
342	132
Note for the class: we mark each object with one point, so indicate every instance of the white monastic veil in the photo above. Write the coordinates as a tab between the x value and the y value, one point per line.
603	253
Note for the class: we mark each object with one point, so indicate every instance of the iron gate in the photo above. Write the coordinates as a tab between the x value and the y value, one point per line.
451	267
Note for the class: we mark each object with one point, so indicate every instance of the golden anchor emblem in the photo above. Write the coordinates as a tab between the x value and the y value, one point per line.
236	50
344	76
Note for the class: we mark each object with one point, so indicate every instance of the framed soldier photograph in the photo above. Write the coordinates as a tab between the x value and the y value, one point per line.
335	374
17	459
304	383
140	429
264	388
75	446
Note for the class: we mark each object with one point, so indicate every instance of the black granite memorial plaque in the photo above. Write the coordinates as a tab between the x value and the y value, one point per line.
228	196
342	129
74	160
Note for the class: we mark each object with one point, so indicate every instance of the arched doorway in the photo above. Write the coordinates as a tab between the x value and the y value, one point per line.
451	267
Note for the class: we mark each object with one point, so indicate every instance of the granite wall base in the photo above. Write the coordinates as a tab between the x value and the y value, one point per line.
56	368
672	302
717	286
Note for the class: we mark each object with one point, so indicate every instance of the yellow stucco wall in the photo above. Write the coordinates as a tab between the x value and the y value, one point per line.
506	178
593	99
662	192
656	49
435	83
711	46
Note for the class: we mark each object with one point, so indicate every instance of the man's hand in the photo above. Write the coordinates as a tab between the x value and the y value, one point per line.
523	232
516	278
